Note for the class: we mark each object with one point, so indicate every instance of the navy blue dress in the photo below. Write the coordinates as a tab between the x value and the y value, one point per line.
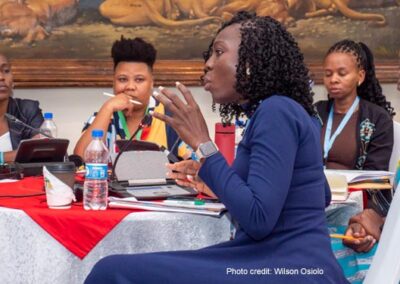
277	193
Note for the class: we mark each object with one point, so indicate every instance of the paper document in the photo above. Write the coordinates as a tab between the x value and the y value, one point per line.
338	186
362	176
183	206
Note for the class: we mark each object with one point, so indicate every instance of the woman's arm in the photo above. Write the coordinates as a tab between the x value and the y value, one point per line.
257	202
102	120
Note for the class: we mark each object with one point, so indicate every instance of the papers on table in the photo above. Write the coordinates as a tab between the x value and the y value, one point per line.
183	206
341	180
362	176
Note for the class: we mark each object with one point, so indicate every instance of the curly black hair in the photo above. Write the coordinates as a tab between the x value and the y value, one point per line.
133	50
370	89
270	63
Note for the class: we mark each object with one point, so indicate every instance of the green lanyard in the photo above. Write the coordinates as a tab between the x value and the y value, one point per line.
125	126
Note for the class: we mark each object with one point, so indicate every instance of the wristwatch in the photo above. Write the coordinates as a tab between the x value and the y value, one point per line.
206	150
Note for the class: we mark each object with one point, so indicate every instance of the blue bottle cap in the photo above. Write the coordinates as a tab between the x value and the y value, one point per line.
96	133
48	115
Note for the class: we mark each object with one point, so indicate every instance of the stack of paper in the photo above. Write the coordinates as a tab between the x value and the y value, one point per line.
183	206
338	185
364	179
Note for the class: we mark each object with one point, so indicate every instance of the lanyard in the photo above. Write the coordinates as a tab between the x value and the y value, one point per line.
328	141
125	126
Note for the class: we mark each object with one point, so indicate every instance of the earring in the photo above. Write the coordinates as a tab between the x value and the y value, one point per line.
359	83
248	71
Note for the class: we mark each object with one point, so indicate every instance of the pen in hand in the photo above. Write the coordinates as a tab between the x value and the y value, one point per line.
343	237
132	101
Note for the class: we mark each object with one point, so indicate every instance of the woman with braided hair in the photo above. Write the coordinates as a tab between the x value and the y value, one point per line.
357	134
275	190
365	141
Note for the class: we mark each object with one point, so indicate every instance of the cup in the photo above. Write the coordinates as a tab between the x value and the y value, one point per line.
59	184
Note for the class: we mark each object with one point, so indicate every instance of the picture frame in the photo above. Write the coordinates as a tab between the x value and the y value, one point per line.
98	73
70	45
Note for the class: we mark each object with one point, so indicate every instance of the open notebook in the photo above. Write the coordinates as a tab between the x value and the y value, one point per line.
341	180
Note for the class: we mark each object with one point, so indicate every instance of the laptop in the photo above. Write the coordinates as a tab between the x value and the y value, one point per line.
142	174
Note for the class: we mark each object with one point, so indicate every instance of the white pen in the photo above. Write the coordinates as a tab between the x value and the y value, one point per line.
112	95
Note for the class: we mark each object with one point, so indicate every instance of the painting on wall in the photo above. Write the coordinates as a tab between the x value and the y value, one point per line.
68	42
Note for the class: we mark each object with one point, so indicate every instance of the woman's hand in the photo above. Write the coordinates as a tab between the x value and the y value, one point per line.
371	221
367	227
185	174
362	242
120	102
186	119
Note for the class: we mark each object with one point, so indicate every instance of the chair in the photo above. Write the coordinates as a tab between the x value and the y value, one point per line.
385	267
395	157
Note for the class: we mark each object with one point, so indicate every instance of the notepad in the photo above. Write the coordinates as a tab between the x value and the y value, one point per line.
206	208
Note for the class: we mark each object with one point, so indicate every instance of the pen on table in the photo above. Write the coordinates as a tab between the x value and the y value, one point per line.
132	101
343	237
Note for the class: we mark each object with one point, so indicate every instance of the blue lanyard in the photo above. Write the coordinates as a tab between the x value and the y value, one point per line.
328	142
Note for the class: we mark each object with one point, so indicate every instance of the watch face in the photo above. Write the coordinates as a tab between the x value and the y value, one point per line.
208	148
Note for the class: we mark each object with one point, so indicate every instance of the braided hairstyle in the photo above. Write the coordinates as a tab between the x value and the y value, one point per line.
270	63
133	50
370	89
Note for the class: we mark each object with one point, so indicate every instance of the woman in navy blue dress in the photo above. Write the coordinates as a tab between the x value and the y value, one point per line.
275	190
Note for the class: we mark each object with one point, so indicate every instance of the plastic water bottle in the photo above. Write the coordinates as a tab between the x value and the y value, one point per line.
95	188
48	126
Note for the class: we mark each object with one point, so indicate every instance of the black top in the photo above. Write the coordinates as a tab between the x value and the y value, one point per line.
375	135
374	139
27	111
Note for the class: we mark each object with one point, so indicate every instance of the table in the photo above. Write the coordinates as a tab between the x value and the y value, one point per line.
28	254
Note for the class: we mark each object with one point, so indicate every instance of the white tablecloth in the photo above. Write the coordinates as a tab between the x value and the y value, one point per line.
28	254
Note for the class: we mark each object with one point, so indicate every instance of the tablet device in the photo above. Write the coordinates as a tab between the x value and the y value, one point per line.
41	150
150	192
142	174
136	145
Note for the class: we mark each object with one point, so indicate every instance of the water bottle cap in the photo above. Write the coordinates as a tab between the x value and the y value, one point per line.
48	115
96	133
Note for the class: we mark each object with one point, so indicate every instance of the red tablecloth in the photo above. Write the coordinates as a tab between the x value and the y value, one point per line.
78	230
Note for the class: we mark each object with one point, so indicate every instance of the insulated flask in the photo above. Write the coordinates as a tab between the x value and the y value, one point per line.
225	140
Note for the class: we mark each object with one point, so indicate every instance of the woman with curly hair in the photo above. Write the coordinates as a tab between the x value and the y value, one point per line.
275	190
133	80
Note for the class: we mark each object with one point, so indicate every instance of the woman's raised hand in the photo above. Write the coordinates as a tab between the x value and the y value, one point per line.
186	119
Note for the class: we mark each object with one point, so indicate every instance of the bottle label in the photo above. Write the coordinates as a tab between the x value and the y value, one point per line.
96	171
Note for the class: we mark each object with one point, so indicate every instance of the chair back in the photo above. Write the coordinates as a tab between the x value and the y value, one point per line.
395	157
385	267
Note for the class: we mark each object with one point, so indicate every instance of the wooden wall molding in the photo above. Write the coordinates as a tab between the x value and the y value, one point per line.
30	73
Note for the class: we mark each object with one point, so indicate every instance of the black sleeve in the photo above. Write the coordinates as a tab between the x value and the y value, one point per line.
36	118
31	115
381	145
